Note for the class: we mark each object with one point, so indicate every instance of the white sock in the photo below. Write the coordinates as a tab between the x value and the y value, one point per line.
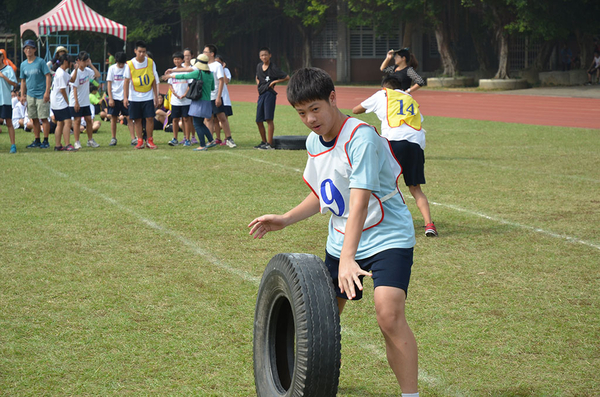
410	394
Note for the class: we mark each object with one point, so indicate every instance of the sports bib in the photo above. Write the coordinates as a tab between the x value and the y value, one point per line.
402	109
142	79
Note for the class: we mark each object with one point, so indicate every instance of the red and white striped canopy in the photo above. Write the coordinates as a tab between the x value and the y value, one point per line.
74	15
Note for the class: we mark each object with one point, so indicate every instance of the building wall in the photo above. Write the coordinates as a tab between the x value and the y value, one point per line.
365	70
328	65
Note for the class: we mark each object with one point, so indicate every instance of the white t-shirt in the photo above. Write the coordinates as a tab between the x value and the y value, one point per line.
61	80
82	83
180	88
115	76
135	96
20	112
14	102
225	95
377	103
217	70
597	62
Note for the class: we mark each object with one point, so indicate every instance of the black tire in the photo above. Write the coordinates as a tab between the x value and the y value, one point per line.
297	342
290	142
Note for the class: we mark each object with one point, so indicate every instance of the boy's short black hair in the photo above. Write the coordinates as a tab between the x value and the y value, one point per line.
267	49
64	58
83	56
140	43
93	88
120	57
221	58
391	82
187	49
211	48
309	84
177	54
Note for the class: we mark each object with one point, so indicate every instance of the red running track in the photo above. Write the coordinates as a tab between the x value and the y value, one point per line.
523	109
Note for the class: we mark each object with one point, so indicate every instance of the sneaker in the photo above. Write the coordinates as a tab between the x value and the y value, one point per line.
13	148
34	145
173	142
218	141
187	143
211	144
266	146
113	142
588	83
150	144
134	142
77	145
430	230
92	143
140	144
229	142
260	145
44	145
201	149
223	143
58	148
69	148
194	140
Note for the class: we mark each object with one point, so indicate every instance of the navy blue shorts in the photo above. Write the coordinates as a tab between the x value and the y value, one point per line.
141	110
6	113
83	111
265	107
118	109
179	111
412	159
390	268
62	114
217	110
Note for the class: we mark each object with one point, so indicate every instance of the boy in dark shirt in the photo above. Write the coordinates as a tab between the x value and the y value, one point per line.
267	75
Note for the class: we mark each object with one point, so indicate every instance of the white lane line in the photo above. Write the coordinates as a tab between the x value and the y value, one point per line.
164	230
379	352
565	237
560	236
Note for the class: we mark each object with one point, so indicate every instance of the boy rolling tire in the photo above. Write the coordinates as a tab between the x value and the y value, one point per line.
297	338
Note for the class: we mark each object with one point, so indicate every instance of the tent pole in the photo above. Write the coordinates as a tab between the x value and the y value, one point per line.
104	59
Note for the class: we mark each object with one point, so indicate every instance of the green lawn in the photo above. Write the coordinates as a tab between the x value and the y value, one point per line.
132	273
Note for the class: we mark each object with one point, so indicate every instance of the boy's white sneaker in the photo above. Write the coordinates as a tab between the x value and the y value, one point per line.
77	145
230	142
92	143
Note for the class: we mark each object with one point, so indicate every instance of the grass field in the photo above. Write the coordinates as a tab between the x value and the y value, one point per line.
132	273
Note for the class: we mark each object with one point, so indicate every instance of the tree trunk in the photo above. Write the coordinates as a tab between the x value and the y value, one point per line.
446	54
585	43
480	51
407	34
543	56
502	38
306	39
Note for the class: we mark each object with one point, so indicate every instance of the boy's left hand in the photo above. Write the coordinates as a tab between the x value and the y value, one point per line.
348	275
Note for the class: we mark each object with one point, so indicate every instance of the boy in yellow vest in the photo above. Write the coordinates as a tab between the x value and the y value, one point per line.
141	93
401	125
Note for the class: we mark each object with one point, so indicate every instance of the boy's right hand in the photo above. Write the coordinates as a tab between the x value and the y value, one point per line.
111	103
266	223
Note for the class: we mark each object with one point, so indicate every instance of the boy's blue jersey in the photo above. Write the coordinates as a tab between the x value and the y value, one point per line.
370	169
5	88
35	77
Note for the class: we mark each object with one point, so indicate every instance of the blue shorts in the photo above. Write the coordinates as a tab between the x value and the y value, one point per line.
62	114
217	110
265	107
141	110
6	113
179	111
390	268
118	109
83	111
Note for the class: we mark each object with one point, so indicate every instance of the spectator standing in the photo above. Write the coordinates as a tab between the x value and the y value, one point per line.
566	57
180	105
35	90
79	99
8	80
141	93
59	103
403	69
114	84
216	95
267	75
594	68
